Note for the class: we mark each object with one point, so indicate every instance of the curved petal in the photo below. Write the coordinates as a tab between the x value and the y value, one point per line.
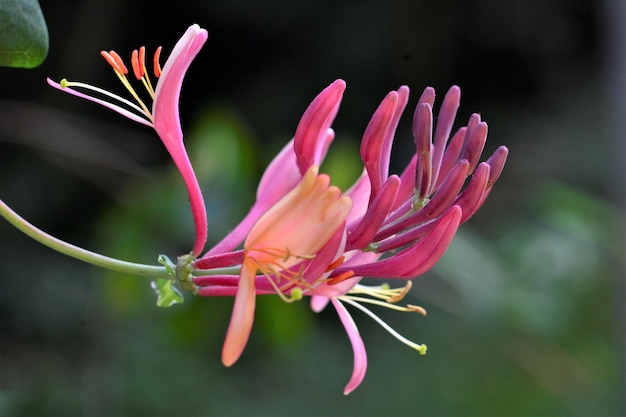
167	122
280	176
312	138
373	141
167	93
360	355
319	302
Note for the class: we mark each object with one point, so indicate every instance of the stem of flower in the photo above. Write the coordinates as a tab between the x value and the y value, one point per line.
151	271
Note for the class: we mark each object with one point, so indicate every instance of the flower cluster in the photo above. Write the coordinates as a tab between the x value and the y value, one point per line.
304	237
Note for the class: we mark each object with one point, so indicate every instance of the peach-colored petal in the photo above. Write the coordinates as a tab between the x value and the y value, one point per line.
242	318
301	222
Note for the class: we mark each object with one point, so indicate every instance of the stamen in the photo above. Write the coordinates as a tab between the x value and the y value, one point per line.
140	115
340	278
336	263
295	293
404	291
157	66
115	61
136	63
383	292
385	304
420	348
417	309
271	269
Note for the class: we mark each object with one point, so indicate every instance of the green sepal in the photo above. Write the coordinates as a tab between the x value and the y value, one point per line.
167	292
170	267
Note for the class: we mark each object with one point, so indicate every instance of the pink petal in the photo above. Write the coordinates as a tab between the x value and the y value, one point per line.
441	201
451	156
445	121
496	163
470	199
281	175
423	132
474	143
167	122
376	213
360	355
209	283
373	141
311	139
319	302
359	193
418	258
403	99
407	187
220	260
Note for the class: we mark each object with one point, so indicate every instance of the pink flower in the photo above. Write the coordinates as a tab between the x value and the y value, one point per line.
164	115
303	237
398	226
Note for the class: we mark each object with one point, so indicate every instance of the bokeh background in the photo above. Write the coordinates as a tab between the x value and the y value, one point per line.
526	309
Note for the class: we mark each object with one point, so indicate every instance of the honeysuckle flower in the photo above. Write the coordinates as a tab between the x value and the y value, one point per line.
302	236
164	113
398	226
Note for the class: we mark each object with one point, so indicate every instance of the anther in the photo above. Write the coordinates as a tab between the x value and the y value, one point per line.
417	309
341	277
157	66
138	62
403	292
115	61
336	263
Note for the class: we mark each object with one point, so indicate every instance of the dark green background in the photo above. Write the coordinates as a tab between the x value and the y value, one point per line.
526	309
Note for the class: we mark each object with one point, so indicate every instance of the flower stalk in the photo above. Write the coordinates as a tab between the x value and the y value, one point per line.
76	252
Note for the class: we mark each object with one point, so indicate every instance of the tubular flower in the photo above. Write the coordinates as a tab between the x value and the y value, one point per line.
398	226
163	115
303	237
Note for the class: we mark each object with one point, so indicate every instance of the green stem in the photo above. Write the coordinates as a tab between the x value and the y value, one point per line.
79	253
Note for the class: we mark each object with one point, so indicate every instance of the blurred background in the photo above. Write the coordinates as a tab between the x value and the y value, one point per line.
526	309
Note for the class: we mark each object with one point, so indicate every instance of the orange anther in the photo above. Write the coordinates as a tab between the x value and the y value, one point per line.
114	61
339	278
142	57
138	63
417	309
120	63
157	66
336	263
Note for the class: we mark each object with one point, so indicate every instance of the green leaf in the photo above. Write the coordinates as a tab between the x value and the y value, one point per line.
23	34
167	293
